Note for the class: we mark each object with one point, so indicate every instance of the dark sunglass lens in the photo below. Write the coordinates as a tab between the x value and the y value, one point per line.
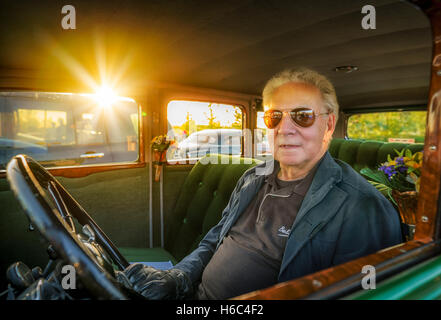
304	118
272	118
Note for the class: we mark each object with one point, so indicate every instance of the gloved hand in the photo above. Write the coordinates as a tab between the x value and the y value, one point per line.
157	284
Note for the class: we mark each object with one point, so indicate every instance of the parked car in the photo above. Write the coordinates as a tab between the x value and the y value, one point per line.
220	141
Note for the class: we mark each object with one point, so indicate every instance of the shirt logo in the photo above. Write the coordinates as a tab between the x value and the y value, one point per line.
283	232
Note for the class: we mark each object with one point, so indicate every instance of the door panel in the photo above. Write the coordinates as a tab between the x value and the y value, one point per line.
117	201
17	242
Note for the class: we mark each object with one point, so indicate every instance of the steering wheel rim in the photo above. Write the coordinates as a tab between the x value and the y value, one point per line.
24	175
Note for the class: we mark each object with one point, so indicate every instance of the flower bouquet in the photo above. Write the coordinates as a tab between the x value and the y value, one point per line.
399	179
160	145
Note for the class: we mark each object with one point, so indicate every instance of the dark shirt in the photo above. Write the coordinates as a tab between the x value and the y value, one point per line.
250	256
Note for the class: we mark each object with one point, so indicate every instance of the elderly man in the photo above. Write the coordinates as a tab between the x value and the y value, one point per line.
309	212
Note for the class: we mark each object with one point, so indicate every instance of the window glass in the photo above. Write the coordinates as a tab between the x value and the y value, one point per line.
395	126
200	128
59	129
261	138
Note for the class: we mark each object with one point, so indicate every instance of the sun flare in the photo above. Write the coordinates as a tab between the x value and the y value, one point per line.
105	96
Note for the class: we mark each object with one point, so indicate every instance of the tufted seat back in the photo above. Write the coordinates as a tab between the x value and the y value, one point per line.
204	195
360	154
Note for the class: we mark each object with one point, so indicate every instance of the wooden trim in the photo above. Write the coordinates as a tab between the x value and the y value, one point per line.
307	285
141	135
428	201
83	171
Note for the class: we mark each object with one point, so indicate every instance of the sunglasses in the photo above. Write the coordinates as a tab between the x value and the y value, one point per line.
304	117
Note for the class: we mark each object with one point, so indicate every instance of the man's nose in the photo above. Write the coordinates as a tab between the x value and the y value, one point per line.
286	125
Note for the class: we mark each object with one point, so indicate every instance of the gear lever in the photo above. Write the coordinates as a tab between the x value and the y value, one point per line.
20	275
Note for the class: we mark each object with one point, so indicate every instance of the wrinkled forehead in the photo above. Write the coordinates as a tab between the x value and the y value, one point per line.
294	95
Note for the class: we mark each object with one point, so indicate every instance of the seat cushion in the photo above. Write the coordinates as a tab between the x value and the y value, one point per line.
367	155
147	255
348	151
205	194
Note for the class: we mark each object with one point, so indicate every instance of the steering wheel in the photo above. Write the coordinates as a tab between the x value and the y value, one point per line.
51	210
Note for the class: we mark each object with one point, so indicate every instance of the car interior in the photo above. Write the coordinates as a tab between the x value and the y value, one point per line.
69	151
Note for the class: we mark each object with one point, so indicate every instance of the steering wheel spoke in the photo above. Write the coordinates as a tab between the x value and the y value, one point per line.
61	206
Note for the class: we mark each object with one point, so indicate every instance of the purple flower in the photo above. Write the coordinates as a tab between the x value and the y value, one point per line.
388	170
399	160
402	169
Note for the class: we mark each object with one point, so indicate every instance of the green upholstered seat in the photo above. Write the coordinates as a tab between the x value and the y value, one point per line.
204	194
151	255
360	154
207	189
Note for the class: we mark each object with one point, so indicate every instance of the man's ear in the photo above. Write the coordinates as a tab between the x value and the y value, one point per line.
330	127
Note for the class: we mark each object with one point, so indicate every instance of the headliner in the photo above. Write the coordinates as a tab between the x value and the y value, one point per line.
227	45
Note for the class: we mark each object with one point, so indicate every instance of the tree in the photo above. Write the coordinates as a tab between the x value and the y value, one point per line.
211	117
237	124
189	125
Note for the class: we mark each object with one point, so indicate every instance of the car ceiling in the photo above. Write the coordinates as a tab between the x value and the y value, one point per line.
227	45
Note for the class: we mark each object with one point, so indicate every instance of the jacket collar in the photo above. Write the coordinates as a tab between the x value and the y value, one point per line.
327	171
300	188
328	174
309	221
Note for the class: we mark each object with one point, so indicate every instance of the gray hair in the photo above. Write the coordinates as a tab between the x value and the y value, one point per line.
307	76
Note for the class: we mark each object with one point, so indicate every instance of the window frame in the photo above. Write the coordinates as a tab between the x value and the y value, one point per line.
79	171
351	112
204	99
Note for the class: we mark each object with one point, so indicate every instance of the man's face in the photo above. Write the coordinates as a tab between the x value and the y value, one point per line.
293	145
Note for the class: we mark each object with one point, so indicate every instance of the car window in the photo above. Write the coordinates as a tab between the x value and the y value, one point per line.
200	128
262	149
61	129
230	138
206	139
394	126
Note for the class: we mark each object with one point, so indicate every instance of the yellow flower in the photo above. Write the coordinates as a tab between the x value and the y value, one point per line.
418	156
161	142
413	164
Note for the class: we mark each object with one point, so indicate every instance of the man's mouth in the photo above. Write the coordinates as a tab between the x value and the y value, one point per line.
288	146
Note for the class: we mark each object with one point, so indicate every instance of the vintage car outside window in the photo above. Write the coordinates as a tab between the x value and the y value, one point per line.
261	137
63	129
201	128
